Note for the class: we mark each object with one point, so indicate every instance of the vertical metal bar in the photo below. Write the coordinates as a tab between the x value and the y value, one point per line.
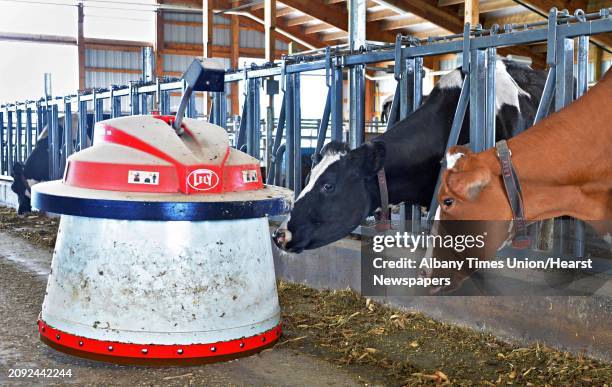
54	143
564	93
134	100
395	107
405	102
565	73
408	78
82	124
222	110
336	104
464	98
98	109
256	115
477	100
192	112
414	91
28	131
276	163
290	138
357	106
68	140
2	162
165	97
581	88
242	130
547	95
9	141
583	65
490	116
357	40
213	102
144	103
322	133
297	136
18	135
417	97
115	107
40	120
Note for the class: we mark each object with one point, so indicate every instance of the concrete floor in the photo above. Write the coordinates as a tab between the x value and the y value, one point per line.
23	272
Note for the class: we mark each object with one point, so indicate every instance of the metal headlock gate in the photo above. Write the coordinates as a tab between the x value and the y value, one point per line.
18	140
477	47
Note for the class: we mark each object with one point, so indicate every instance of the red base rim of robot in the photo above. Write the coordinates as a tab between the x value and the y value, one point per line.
156	354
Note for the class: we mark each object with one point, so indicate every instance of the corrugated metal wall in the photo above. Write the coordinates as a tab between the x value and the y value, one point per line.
110	59
185	30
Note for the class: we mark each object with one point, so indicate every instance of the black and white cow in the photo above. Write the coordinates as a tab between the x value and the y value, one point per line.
343	188
36	167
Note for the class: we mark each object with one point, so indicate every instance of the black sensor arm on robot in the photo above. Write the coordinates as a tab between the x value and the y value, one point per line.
198	77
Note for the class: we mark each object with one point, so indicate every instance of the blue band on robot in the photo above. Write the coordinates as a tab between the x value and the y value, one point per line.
165	211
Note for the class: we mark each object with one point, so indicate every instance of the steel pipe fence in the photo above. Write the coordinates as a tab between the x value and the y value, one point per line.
476	46
22	122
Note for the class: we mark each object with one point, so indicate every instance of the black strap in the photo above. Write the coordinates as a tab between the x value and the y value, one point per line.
514	194
384	222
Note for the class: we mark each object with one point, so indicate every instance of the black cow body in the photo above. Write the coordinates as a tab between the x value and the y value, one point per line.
345	188
36	166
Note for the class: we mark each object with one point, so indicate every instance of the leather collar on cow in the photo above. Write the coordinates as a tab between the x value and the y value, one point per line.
384	223
515	195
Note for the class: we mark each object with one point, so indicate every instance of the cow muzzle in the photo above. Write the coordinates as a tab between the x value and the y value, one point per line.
281	237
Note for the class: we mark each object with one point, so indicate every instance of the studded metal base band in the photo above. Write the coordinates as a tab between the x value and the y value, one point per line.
156	354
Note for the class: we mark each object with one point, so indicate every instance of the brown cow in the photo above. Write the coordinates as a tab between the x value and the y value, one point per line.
563	164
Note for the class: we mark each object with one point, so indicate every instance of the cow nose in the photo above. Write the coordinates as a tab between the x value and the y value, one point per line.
281	237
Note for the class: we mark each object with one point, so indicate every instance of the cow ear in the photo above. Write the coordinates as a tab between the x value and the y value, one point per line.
335	147
467	185
370	157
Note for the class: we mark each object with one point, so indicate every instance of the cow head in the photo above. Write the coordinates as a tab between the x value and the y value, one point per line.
337	197
21	187
471	192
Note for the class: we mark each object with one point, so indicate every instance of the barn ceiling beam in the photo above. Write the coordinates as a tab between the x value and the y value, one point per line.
544	6
37	38
380	15
313	29
296	21
496	5
293	33
284	11
446	3
451	22
404	21
336	16
332	15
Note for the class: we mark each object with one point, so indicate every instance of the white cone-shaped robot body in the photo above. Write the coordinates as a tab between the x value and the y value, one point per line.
177	269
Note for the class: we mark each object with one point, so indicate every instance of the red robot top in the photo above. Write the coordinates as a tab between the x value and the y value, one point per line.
144	154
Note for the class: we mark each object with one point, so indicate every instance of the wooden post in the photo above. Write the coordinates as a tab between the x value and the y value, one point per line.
234	58
598	61
81	47
471	12
370	109
159	43
435	66
270	28
207	24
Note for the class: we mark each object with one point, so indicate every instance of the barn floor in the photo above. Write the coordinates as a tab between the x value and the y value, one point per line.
330	338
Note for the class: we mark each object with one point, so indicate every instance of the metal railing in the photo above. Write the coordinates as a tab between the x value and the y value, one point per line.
477	47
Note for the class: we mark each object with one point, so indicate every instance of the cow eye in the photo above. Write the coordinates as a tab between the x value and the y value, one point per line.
448	202
328	187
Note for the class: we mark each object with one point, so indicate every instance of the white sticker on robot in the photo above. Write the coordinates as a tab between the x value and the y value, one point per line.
143	177
249	176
